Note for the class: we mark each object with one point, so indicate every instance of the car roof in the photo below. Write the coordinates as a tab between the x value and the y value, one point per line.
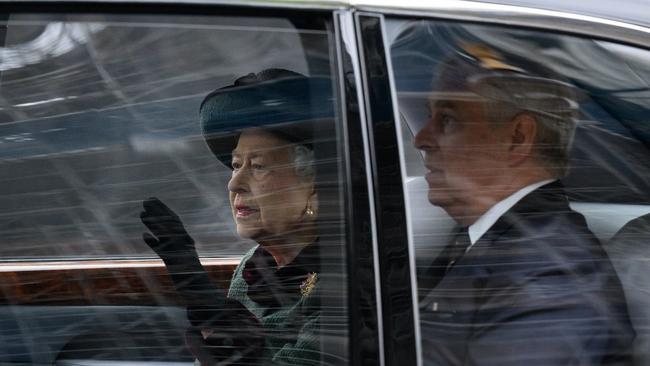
626	20
628	11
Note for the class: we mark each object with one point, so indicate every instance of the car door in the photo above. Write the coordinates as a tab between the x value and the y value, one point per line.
99	112
606	62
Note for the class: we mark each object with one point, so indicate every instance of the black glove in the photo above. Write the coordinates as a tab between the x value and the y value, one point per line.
176	248
235	334
231	335
169	240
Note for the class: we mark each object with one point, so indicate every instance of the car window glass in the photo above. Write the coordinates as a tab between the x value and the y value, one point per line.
100	113
457	86
116	137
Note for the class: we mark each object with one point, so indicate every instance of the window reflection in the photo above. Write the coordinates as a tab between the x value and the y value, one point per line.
100	113
511	247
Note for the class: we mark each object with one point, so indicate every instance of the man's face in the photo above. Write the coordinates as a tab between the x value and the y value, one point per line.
465	156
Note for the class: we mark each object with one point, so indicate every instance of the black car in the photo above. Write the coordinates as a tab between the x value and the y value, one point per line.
99	110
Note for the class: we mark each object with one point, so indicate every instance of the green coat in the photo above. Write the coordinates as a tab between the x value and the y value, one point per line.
291	326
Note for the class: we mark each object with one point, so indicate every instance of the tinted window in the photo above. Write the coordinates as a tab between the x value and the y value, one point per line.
100	113
467	91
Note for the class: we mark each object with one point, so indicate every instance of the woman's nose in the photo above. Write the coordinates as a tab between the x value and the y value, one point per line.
238	180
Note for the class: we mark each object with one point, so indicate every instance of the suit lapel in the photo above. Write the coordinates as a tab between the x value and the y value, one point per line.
548	198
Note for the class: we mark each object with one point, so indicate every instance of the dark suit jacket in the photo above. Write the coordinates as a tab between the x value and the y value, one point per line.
536	289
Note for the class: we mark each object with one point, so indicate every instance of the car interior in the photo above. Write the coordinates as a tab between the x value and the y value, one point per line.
99	113
609	169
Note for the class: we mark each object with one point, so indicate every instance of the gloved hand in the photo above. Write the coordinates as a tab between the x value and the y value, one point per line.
176	248
231	335
170	240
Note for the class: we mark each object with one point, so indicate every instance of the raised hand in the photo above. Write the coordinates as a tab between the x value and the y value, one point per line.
223	331
170	240
176	248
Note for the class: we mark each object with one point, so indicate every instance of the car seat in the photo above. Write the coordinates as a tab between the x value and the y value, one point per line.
628	251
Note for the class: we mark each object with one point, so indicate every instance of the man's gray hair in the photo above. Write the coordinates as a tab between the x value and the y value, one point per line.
508	91
556	124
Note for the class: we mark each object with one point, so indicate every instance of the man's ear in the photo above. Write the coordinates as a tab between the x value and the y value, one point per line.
522	138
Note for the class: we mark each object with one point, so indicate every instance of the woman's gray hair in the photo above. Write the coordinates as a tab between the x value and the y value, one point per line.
303	160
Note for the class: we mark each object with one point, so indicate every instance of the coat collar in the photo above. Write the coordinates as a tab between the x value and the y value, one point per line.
546	199
274	287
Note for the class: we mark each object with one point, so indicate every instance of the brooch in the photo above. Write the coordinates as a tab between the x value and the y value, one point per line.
308	284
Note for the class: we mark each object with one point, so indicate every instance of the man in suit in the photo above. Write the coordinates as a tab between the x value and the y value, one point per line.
524	282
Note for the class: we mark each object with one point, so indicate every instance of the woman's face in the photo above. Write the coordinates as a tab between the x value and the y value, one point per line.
267	197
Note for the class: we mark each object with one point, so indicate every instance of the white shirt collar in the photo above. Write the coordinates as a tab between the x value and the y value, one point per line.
485	222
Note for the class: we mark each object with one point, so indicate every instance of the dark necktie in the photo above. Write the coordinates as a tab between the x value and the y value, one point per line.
457	247
449	255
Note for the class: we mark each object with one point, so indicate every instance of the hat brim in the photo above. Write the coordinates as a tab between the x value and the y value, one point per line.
287	107
293	133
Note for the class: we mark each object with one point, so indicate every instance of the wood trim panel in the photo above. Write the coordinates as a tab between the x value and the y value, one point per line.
102	282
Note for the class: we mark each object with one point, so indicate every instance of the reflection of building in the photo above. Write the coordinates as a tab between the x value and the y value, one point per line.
71	196
95	117
56	39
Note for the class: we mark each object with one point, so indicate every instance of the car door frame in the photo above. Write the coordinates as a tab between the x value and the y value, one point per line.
519	17
363	318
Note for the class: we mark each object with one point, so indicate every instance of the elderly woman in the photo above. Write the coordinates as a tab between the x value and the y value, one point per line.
261	127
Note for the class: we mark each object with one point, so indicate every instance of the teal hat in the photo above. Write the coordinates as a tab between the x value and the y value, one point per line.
282	102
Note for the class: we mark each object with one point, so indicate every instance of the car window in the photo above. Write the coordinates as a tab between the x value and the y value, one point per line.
101	113
209	142
490	246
